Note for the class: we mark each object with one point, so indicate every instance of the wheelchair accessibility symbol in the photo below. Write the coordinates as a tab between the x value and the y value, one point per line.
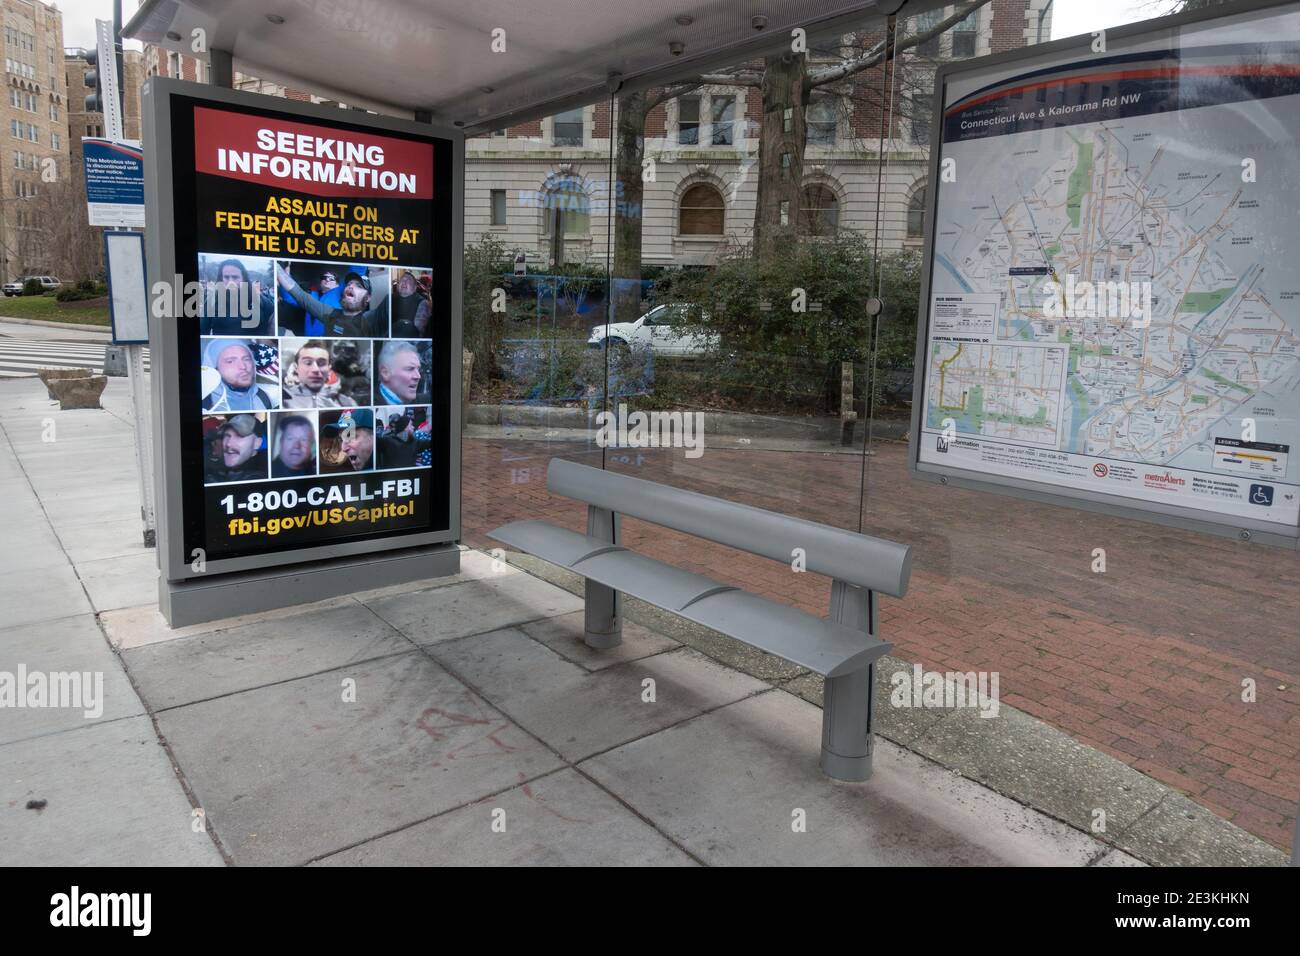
1261	495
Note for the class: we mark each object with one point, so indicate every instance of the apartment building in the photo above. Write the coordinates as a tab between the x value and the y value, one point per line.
162	62
34	113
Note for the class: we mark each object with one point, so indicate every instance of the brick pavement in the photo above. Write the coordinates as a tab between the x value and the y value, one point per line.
1144	662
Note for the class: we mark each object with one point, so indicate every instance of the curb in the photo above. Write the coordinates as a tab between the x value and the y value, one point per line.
75	326
809	428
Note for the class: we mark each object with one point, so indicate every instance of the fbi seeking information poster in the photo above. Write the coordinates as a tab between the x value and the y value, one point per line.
317	395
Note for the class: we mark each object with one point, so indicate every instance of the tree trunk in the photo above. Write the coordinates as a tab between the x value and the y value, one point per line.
781	149
628	200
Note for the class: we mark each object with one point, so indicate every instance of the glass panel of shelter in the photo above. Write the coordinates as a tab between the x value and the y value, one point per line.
777	388
1134	638
536	285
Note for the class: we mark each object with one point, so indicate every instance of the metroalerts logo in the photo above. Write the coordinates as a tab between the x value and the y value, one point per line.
1261	495
1163	481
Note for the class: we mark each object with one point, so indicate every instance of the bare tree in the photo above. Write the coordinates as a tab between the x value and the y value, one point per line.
633	109
57	238
787	83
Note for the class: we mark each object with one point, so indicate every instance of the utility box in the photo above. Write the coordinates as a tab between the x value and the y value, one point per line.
115	361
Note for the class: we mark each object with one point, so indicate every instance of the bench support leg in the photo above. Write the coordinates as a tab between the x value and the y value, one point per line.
847	700
603	615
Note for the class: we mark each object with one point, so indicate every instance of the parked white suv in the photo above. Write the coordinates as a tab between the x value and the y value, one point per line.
48	283
665	330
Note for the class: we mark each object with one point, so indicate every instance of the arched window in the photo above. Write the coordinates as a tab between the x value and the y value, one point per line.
703	212
567	196
821	210
916	214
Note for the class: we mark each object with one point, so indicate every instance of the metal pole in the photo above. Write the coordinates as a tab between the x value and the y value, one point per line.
4	248
221	69
557	236
847	741
135	374
117	56
602	624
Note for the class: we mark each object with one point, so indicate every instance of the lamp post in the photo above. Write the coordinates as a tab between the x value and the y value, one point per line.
1042	17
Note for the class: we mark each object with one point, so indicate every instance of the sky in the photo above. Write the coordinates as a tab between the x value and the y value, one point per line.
79	18
1069	17
1072	17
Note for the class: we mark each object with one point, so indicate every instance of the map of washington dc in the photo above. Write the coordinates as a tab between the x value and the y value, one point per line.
1187	342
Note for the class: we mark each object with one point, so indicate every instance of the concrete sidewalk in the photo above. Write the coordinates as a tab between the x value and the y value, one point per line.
458	720
1144	663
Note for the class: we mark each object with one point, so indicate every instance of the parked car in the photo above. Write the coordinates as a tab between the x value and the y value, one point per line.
665	330
48	284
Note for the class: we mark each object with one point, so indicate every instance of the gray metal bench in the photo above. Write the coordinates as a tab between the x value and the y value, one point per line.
843	649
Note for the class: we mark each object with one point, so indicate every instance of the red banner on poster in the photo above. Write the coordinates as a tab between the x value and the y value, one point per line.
320	160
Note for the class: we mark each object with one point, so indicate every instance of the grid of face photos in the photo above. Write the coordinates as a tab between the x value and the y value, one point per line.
313	368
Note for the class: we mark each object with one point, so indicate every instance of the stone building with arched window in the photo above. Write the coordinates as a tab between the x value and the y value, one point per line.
701	154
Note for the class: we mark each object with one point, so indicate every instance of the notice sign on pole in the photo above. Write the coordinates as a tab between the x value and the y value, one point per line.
1111	307
308	400
114	182
128	291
